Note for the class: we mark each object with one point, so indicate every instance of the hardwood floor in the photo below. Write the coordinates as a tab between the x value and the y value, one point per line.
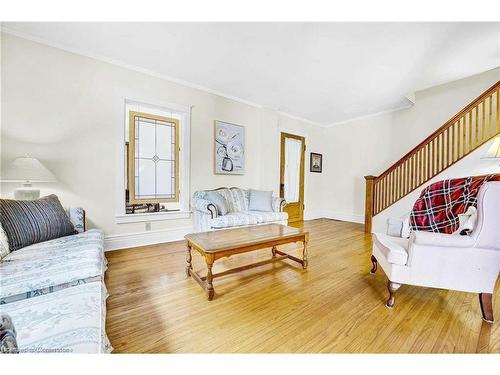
335	306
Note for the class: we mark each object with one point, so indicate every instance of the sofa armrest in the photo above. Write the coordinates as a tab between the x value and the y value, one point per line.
278	204
8	342
77	217
441	240
205	206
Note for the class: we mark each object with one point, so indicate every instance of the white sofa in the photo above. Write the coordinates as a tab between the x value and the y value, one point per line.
207	218
54	293
468	263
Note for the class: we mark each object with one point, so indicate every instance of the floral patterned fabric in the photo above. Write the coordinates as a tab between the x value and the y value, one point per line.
205	206
47	290
228	196
234	219
278	204
268	217
238	201
77	217
35	269
67	321
4	244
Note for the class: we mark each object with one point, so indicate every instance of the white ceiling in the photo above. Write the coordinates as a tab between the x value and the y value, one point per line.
322	72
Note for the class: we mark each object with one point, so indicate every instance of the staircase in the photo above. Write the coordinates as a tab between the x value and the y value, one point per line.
469	129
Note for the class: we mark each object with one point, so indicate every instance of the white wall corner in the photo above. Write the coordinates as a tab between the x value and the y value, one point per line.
129	240
313	214
344	216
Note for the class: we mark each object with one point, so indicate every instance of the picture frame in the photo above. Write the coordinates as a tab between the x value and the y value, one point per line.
229	148
316	162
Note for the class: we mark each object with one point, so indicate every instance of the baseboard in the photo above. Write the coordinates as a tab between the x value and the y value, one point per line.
126	240
312	215
336	215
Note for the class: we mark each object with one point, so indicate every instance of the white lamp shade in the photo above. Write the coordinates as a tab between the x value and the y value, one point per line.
26	169
494	151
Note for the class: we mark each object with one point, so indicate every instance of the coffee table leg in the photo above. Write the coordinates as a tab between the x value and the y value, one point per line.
304	254
188	260
210	278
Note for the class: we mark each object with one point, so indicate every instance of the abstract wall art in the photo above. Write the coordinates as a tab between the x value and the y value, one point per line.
229	148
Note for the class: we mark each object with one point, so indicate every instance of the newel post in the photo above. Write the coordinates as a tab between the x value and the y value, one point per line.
370	181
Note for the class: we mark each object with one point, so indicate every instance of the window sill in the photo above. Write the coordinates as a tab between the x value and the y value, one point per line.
152	216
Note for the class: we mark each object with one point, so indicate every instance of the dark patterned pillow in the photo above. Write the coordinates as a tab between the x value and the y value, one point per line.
29	222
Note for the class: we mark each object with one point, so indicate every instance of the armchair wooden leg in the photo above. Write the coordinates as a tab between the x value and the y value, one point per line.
486	302
374	265
392	287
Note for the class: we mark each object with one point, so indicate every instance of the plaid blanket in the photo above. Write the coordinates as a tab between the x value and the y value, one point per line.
439	204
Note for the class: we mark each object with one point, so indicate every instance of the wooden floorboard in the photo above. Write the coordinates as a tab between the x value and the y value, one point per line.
335	306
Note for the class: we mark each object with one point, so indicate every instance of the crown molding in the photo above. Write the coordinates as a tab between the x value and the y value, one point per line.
148	72
364	117
181	82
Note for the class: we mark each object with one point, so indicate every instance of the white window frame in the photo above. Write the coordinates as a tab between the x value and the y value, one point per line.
182	210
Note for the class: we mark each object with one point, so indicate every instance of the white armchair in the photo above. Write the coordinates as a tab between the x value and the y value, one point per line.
465	263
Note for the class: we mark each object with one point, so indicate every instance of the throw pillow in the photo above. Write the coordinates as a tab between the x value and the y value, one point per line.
260	200
406	231
4	244
30	222
219	201
467	221
394	227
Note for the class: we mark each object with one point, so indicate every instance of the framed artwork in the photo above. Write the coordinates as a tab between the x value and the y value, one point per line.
229	148
316	163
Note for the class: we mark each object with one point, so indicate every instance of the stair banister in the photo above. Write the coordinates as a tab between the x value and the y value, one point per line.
469	129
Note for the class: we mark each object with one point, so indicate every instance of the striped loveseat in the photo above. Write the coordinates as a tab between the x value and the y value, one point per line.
207	218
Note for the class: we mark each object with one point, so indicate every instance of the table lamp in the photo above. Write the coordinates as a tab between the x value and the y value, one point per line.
27	170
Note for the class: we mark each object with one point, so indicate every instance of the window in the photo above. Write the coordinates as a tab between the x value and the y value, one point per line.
153	159
156	163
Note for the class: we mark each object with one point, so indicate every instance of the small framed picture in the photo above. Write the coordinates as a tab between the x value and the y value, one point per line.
316	162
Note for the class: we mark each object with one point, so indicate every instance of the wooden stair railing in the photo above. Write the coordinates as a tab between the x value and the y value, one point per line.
469	129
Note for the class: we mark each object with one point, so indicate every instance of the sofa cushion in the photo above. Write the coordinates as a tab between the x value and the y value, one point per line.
228	196
268	217
29	222
41	268
239	200
260	200
70	320
77	217
394	249
4	243
219	201
234	219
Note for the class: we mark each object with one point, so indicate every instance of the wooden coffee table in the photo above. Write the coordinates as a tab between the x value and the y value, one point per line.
222	243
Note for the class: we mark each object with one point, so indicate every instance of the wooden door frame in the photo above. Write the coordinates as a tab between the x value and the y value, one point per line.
283	136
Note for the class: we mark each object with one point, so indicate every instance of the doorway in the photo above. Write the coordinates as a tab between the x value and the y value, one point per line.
292	175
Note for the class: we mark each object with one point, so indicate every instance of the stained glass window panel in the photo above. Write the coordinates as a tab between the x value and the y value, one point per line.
164	142
154	158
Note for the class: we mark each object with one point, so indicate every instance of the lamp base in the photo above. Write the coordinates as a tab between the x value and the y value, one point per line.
26	194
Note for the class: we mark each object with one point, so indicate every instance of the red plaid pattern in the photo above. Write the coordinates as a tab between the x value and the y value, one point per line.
439	204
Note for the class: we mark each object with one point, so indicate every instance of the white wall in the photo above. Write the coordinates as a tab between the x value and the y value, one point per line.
68	111
368	146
